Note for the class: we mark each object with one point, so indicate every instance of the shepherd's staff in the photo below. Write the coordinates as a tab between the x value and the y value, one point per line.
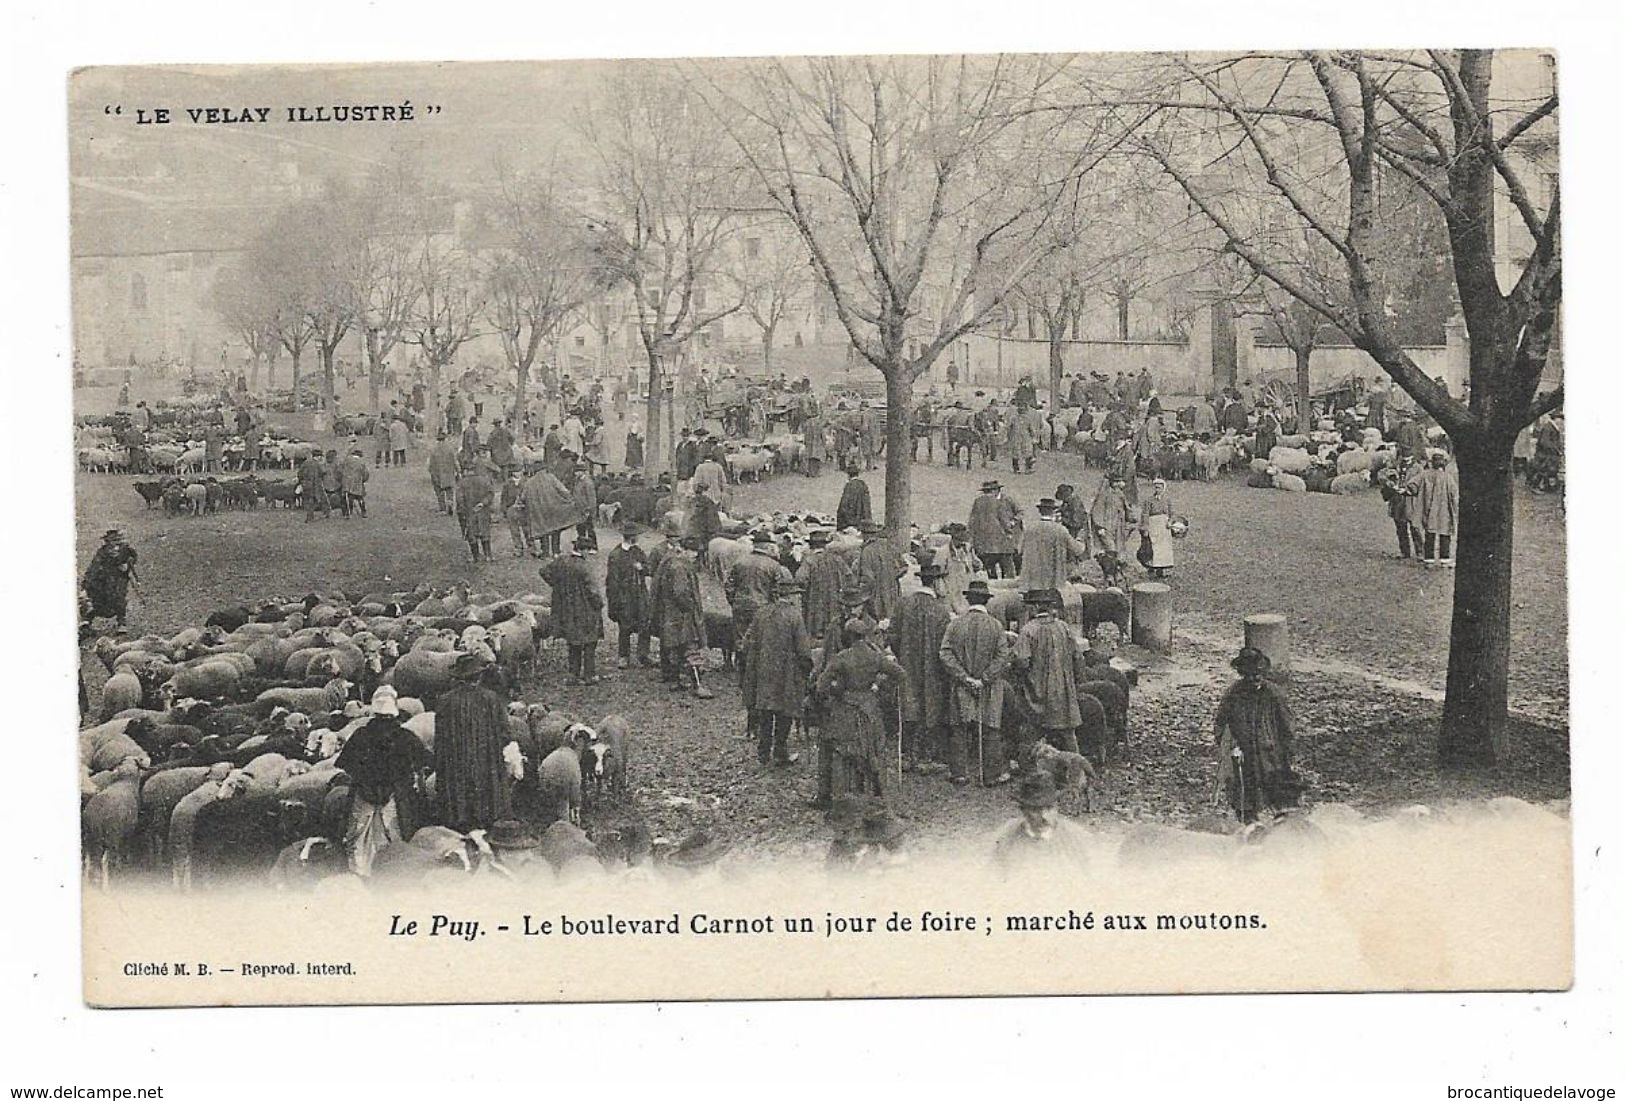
1236	757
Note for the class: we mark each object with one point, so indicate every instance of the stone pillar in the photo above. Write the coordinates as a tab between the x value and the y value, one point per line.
1266	631
1153	616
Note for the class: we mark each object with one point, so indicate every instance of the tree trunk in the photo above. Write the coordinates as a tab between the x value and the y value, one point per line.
767	348
436	411
522	371
1302	356
1474	730
654	454
375	372
270	369
327	378
899	423
1123	299
296	357
1057	363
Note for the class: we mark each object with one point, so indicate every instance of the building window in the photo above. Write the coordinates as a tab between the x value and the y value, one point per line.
581	342
753	248
138	292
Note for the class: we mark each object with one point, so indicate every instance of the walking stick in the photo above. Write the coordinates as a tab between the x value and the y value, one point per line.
1236	757
981	761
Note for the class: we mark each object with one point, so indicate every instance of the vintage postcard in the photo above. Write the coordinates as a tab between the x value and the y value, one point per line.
821	527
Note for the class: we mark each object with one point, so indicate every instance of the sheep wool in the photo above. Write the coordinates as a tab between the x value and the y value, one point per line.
1290	482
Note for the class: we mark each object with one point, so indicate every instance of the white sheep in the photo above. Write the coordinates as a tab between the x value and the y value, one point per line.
1290	482
1351	484
1293	460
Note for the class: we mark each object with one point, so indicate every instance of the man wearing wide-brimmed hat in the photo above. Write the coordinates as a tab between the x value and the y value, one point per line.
995	530
109	576
862	747
975	654
826	573
578	611
679	616
626	592
385	763
752	581
1254	730
777	660
916	637
879	572
471	727
1048	657
1050	556
1041	838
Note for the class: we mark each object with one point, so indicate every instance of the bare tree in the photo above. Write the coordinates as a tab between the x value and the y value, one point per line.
775	279
537	273
1319	135
447	307
386	221
247	305
670	194
911	181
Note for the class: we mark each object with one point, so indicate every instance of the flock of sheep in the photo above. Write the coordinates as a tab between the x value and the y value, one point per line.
215	748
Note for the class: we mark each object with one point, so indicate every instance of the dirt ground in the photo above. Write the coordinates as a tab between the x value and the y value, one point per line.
1369	638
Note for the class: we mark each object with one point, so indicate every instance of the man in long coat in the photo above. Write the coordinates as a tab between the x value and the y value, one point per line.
1018	438
312	473
501	443
1048	552
974	654
687	457
854	508
878	572
679	616
476	500
549	509
443	472
752	582
584	494
773	675
916	638
1437	501
1253	728
995	530
1047	658
826	573
626	591
108	577
578	612
1113	522
471	727
812	441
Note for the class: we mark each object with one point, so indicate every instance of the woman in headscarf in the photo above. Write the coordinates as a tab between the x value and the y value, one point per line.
1155	514
384	761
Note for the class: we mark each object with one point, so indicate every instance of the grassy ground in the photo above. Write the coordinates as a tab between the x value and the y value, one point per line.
1369	637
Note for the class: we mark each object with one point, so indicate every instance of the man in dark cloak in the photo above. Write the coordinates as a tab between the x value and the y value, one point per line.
471	727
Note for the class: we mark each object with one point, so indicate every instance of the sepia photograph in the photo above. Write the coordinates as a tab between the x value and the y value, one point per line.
821	526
